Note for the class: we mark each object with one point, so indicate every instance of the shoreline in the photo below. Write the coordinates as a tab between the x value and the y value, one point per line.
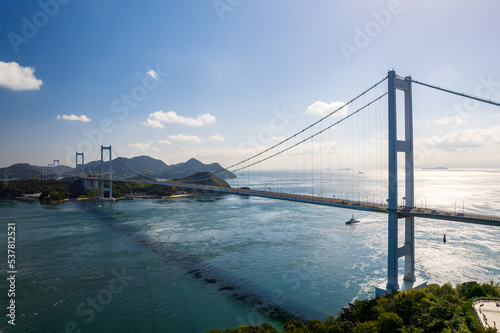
157	197
173	196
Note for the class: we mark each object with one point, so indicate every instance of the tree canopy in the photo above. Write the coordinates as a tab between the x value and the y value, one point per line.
431	309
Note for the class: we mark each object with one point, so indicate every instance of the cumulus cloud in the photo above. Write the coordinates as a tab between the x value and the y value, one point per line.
185	138
16	77
165	142
216	138
73	117
323	108
142	146
153	123
462	140
158	118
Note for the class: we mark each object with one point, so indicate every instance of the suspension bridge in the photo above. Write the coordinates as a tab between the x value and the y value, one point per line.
360	150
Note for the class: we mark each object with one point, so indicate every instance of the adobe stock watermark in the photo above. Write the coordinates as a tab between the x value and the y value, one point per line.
457	115
223	6
268	132
30	27
120	106
89	308
381	19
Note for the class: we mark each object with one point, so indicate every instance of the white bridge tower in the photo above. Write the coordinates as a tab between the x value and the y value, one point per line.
409	280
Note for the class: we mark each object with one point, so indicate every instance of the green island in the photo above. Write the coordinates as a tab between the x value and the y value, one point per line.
433	308
57	191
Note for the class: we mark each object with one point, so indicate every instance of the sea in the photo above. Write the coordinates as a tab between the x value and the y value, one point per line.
218	261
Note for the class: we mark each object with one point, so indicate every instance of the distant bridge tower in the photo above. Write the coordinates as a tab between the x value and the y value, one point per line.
110	175
48	171
80	163
405	146
55	169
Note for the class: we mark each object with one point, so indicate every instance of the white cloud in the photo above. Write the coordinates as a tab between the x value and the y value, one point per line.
323	108
157	119
455	120
165	142
462	140
185	138
153	123
73	117
153	74
216	138
15	77
142	146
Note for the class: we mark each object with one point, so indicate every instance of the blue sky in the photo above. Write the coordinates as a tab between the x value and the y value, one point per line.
206	79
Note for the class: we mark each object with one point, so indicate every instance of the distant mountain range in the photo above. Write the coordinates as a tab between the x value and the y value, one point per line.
28	171
124	168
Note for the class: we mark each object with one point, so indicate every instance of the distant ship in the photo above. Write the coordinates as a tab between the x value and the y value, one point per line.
352	220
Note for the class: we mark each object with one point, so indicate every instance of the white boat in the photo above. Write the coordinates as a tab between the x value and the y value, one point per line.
352	220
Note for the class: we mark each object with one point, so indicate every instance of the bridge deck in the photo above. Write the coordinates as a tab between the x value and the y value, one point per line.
336	202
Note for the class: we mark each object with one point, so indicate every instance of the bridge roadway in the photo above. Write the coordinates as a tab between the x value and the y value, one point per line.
335	202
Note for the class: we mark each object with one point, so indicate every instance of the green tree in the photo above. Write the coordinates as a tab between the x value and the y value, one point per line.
366	327
491	289
389	322
316	326
360	310
295	326
470	289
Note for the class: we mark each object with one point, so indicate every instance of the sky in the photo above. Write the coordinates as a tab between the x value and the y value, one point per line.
218	80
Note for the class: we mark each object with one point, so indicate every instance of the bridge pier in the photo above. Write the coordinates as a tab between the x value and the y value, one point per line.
110	188
80	163
409	280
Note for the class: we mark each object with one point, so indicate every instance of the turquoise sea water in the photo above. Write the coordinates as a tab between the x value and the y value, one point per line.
219	261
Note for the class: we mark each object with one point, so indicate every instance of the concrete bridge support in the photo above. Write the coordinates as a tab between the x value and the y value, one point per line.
405	146
80	163
110	176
